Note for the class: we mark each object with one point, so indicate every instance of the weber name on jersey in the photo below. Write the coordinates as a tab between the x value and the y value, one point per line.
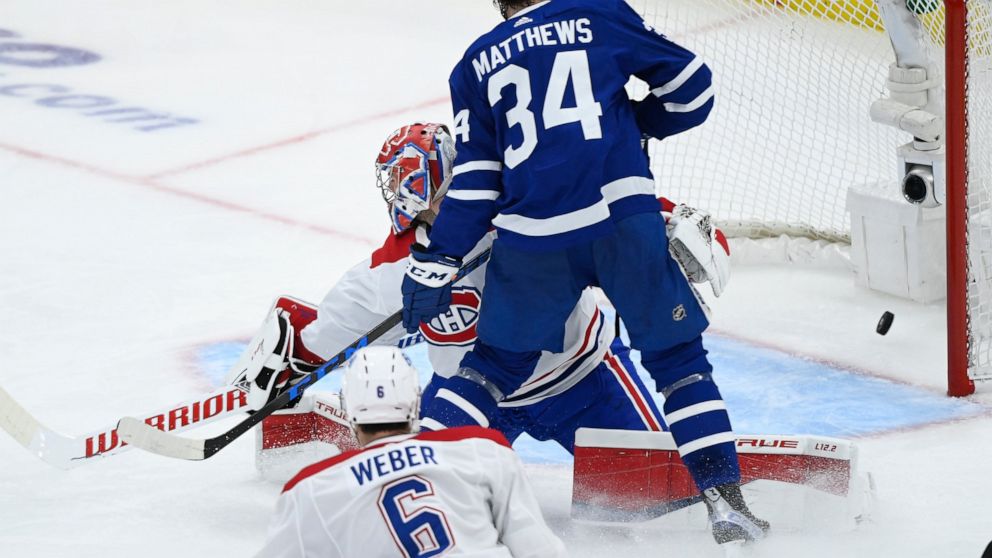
548	142
370	291
458	492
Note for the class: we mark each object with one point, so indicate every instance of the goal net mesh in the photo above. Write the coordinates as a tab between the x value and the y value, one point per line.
790	131
979	188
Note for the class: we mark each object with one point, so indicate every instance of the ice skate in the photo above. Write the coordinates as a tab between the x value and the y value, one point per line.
729	516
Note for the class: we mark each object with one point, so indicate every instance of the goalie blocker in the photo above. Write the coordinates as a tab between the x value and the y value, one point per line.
624	476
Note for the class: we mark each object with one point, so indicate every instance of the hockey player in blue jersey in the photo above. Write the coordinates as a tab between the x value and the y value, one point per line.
549	155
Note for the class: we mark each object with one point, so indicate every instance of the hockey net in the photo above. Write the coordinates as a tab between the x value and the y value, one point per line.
794	82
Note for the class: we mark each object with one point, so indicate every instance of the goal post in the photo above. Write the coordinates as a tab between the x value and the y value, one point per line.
798	86
959	382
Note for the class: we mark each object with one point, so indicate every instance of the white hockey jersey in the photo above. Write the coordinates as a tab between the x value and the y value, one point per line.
460	492
370	292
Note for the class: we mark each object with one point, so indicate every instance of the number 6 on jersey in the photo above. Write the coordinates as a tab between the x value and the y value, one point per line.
420	531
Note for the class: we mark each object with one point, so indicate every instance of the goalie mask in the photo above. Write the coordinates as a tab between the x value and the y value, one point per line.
380	386
413	169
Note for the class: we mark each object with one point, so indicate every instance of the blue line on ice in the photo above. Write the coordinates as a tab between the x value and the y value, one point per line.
767	392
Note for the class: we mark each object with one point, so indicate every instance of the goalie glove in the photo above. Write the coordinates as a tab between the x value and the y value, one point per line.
272	360
699	247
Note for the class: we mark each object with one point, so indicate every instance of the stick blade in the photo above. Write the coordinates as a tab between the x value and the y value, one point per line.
140	435
17	421
58	450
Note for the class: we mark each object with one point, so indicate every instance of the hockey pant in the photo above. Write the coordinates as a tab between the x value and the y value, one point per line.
611	396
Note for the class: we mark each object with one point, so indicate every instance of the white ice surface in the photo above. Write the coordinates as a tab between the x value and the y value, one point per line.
121	250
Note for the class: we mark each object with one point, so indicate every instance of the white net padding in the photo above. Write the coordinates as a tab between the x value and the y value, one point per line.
790	131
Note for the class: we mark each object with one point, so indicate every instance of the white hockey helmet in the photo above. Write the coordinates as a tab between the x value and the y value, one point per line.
380	386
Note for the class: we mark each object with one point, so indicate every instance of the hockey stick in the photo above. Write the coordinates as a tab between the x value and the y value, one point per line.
155	440
66	452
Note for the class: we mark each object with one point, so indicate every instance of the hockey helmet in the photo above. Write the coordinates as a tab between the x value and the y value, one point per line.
380	386
504	5
413	169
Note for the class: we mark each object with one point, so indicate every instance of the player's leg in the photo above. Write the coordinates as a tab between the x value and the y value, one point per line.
506	421
472	395
665	323
526	302
611	396
641	408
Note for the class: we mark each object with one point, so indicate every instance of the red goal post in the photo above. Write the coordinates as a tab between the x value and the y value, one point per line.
791	131
959	382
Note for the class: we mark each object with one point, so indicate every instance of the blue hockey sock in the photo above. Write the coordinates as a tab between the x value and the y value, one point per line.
471	397
459	401
697	416
671	365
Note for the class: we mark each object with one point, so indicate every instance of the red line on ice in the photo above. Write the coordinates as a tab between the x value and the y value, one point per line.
151	184
297	139
149	181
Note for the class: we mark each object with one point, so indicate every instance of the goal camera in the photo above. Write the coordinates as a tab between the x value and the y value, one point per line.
918	186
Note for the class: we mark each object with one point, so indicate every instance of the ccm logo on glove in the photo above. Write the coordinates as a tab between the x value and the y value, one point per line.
429	273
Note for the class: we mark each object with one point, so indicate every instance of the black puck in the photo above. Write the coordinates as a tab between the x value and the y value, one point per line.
884	323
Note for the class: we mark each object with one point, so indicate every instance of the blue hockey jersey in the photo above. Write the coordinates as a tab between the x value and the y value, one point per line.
548	142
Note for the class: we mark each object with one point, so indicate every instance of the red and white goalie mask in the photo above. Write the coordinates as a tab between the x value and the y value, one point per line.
413	169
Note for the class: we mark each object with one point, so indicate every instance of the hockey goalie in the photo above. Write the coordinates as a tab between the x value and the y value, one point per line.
589	386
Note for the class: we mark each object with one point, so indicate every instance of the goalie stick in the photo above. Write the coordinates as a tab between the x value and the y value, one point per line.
67	452
155	440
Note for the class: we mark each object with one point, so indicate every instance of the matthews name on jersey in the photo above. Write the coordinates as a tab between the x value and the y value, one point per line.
414	495
548	142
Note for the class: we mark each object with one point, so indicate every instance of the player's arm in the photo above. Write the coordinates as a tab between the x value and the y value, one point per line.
680	83
516	513
467	211
360	300
470	203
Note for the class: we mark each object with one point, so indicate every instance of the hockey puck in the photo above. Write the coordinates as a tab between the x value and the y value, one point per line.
884	323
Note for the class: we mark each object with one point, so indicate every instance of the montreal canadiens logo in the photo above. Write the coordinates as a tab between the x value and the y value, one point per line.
457	326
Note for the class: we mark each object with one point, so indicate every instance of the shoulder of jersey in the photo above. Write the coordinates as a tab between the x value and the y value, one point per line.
456	434
394	249
549	11
559	7
464	433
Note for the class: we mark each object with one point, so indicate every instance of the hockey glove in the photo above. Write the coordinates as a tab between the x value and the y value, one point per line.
699	247
272	361
427	286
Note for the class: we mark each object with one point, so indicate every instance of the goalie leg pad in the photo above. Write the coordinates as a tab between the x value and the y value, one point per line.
318	418
634	476
290	439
